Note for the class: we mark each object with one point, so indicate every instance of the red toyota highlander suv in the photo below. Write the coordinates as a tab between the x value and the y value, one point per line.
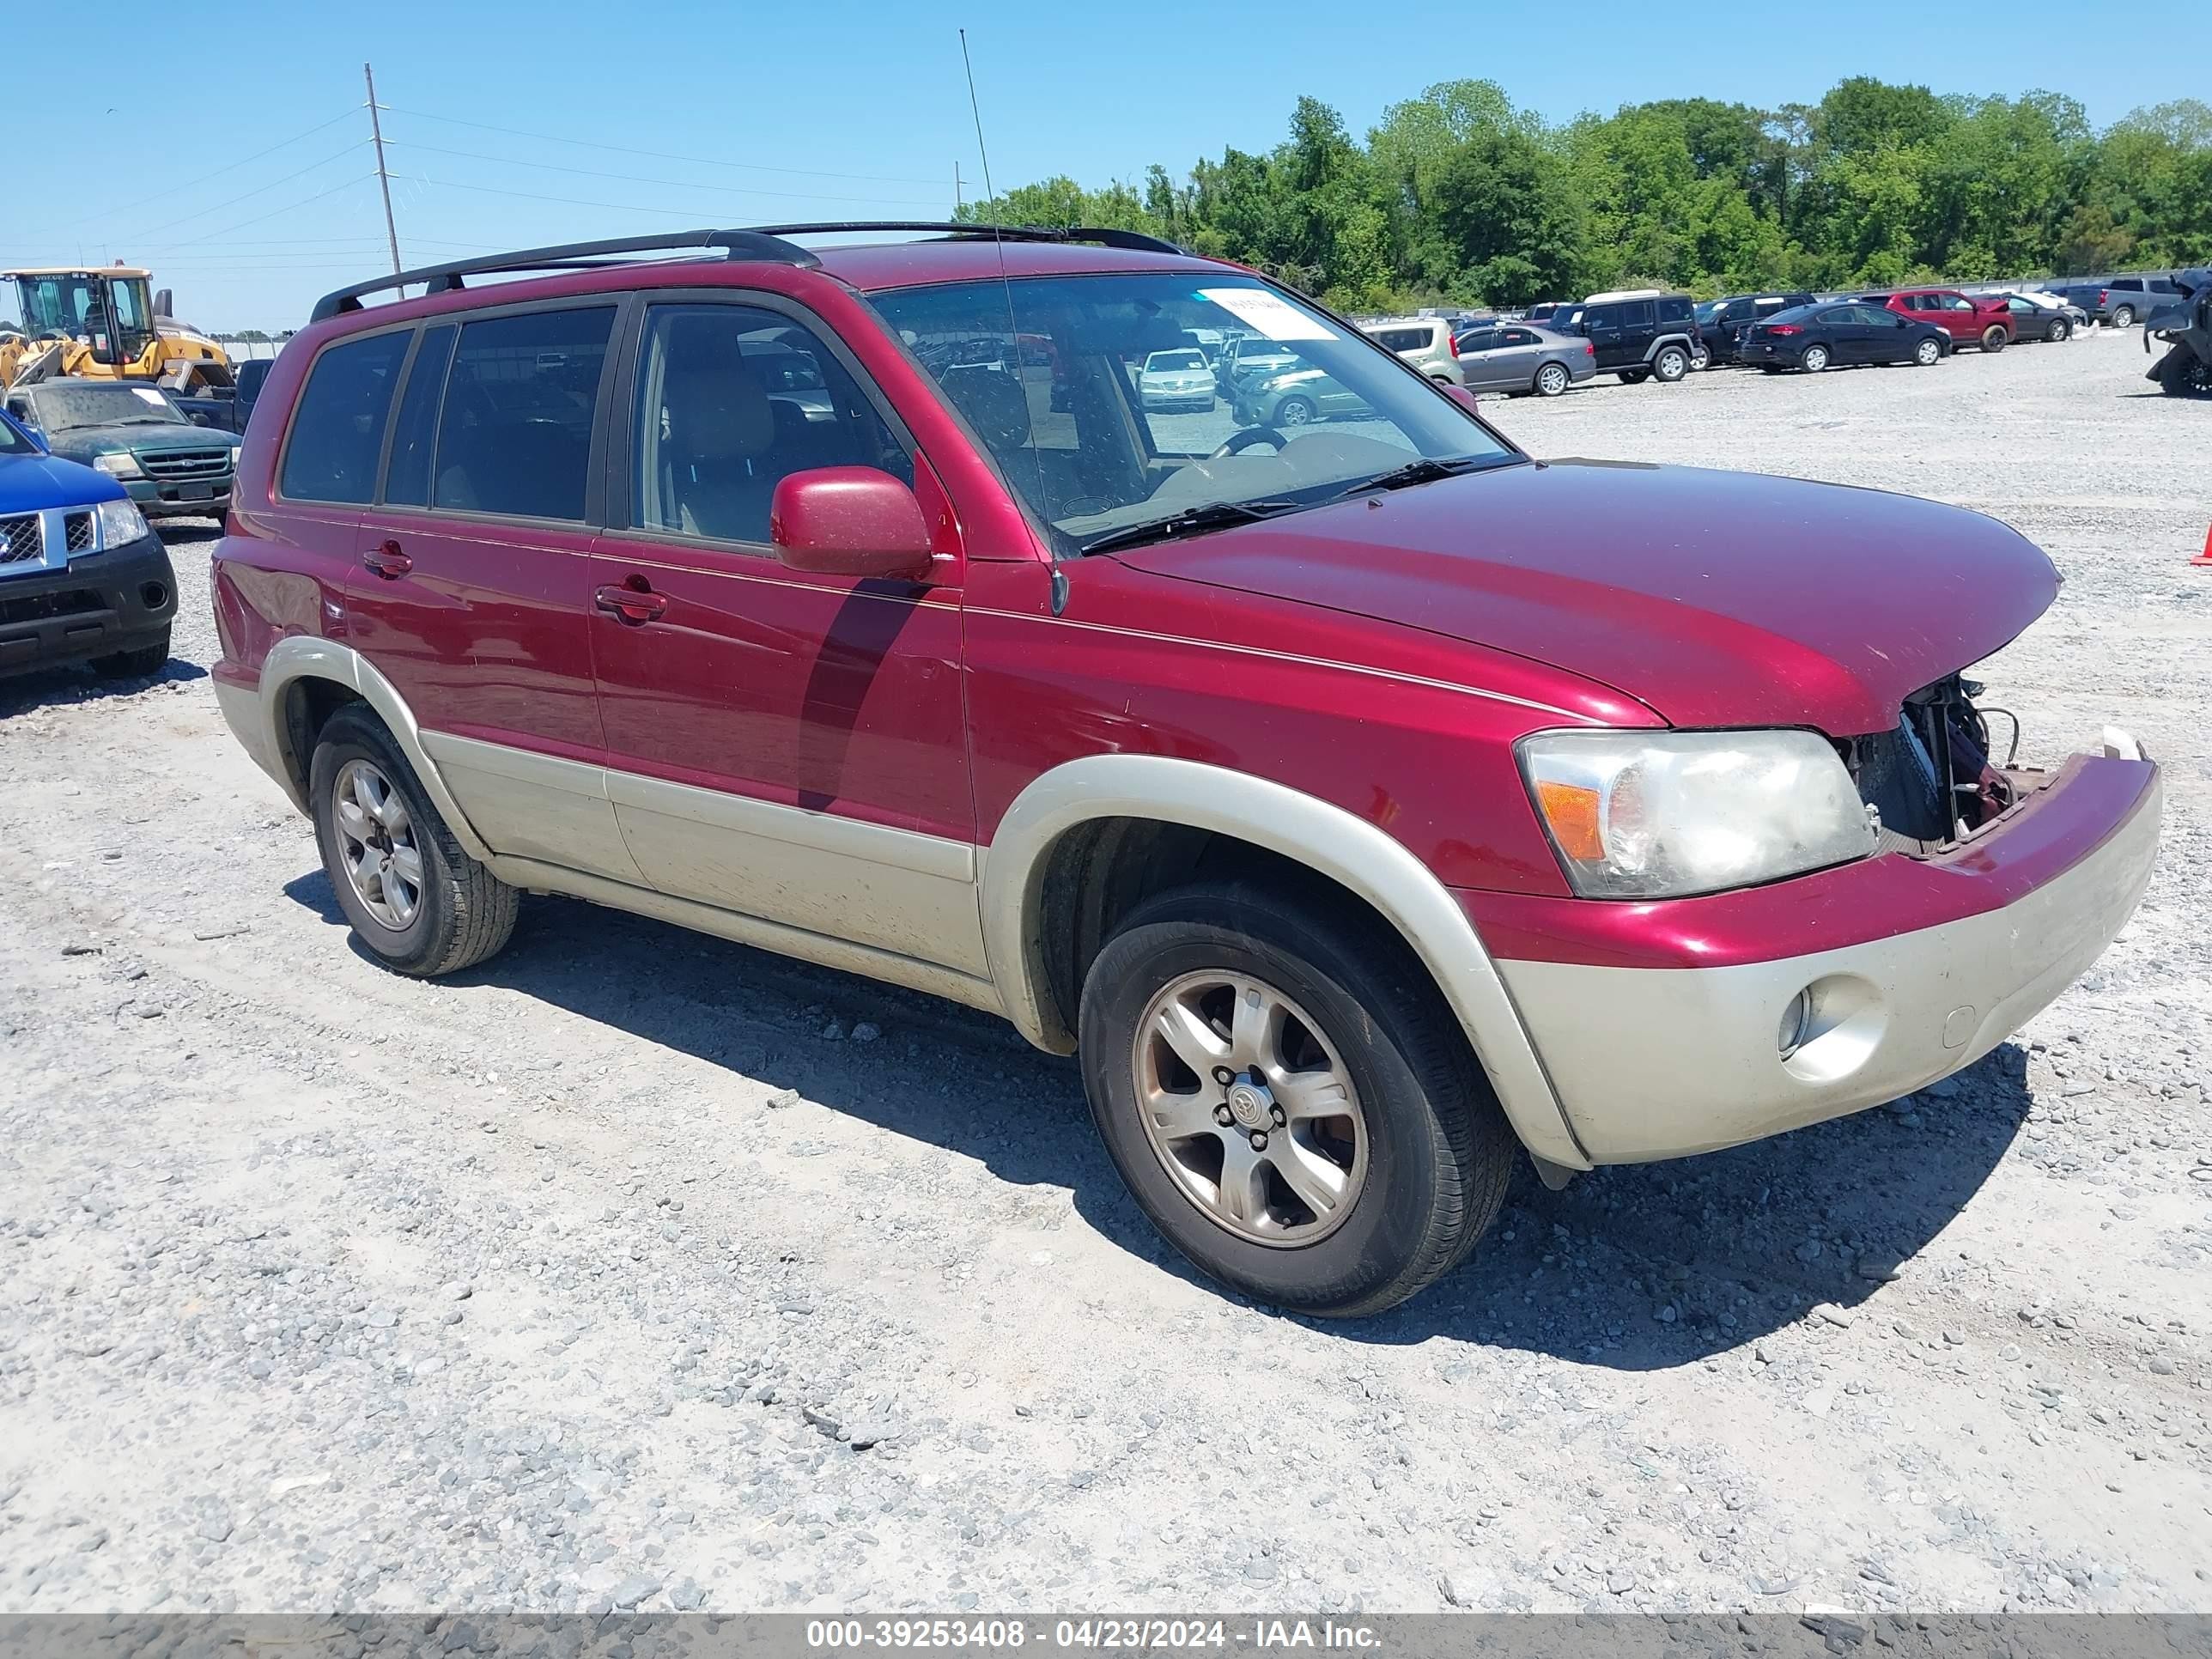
1365	802
1986	322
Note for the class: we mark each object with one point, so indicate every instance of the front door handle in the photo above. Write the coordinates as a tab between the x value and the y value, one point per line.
387	561
633	602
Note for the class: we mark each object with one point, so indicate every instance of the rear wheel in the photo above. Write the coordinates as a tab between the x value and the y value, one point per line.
1928	353
2123	315
1814	360
417	902
1634	376
1289	1099
1552	379
1672	363
1995	339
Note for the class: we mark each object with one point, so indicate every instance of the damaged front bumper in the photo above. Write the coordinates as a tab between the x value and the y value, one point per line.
1682	1026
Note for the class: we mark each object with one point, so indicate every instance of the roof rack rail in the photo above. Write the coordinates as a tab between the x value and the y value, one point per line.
1134	241
568	256
763	242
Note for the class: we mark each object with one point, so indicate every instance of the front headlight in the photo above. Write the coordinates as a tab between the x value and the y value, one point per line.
1667	814
117	465
120	522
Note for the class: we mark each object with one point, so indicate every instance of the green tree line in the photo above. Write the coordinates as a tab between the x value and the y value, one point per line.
1458	196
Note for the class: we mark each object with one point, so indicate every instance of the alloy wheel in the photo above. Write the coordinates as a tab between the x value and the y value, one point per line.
376	845
1552	379
1250	1108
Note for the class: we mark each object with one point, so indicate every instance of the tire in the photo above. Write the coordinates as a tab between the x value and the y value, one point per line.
1928	354
1422	1163
1670	364
1995	339
2058	330
1296	411
461	913
1552	379
1769	368
1814	358
1701	358
137	663
2123	316
1634	376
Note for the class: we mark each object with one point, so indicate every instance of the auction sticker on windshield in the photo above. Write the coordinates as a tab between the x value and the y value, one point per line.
153	398
1268	313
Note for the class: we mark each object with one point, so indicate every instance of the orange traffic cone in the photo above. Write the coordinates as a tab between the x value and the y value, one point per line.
2205	558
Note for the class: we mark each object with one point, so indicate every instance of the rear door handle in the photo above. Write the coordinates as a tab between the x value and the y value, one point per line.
387	561
634	605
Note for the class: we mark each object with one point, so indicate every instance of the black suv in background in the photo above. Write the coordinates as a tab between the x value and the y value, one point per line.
1640	334
1722	322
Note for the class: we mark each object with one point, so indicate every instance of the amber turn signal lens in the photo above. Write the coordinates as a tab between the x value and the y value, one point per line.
1571	811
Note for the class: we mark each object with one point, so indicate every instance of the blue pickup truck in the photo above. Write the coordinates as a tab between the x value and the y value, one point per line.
82	579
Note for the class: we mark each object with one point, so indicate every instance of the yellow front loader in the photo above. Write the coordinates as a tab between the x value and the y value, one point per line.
104	323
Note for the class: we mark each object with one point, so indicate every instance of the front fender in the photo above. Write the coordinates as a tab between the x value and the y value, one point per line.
1322	837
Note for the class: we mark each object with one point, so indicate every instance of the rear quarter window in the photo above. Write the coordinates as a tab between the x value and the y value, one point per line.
1675	311
338	425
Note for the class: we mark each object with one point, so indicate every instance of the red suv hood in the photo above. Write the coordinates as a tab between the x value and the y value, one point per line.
1718	599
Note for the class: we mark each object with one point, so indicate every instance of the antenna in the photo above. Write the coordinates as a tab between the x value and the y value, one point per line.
976	110
1013	328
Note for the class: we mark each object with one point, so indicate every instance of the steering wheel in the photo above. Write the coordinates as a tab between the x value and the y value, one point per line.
1242	440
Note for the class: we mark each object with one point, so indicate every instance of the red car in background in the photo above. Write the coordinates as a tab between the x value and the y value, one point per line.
1982	321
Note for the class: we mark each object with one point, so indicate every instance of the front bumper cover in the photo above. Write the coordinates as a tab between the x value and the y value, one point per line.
1660	1062
97	603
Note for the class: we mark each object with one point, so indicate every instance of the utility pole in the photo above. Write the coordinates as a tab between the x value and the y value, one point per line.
383	179
956	190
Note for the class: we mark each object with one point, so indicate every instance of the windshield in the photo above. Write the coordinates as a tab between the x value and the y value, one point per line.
1164	360
60	408
13	443
1091	461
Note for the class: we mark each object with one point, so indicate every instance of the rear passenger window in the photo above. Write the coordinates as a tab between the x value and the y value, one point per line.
733	399
338	431
407	476
514	434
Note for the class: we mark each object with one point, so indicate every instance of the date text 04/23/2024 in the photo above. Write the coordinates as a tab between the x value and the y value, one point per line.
1109	1634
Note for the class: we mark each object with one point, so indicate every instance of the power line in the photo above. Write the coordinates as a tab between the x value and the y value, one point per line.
228	167
202	213
662	154
565	201
341	184
676	184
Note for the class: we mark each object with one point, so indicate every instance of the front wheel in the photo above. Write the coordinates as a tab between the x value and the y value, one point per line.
1671	364
417	902
1295	412
1928	353
1289	1099
1634	376
1701	357
2059	329
1552	379
1814	360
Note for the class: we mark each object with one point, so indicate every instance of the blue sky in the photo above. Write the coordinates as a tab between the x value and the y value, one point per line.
826	111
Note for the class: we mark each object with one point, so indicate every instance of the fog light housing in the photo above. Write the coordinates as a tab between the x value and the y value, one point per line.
1789	1035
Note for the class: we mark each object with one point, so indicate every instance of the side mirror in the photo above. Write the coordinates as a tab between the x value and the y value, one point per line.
1460	394
849	521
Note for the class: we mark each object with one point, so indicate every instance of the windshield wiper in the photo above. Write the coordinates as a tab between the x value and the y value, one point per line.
1421	471
1214	515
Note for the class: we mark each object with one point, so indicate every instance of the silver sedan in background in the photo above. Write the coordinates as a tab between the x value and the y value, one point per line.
1518	359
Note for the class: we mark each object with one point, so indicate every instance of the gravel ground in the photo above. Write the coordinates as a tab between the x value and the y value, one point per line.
640	1269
